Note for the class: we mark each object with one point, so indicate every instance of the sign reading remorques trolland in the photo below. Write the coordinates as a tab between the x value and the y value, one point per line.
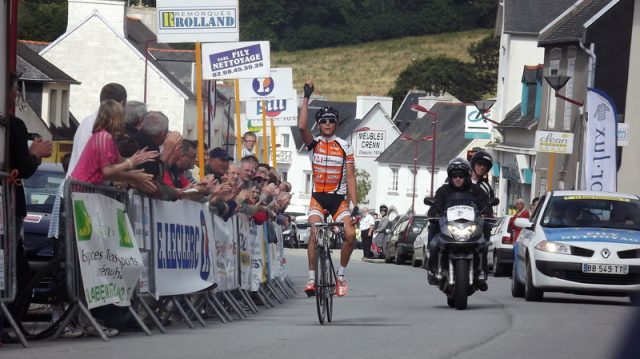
235	60
197	21
555	142
370	143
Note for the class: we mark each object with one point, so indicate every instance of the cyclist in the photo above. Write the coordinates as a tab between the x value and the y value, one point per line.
334	183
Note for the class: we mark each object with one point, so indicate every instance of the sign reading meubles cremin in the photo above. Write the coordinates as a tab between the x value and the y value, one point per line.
197	21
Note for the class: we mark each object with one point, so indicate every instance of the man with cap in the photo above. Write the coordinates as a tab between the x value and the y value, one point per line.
379	232
218	162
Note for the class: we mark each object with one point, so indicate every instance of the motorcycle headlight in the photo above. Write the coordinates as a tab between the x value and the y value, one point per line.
461	234
554	247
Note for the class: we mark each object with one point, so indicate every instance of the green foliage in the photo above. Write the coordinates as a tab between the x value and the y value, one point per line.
363	185
43	20
466	81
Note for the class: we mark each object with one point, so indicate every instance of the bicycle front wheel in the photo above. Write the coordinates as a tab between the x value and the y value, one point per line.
331	287
321	285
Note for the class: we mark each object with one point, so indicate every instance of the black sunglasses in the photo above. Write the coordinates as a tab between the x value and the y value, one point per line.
457	175
323	121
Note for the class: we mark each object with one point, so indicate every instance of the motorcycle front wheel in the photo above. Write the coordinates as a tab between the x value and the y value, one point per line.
460	295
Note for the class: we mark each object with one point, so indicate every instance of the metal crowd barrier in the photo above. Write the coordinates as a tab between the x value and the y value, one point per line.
8	243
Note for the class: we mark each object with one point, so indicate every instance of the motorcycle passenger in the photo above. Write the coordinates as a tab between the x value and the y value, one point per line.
458	181
481	164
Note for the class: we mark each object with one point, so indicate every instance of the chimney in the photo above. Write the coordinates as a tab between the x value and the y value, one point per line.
113	11
364	104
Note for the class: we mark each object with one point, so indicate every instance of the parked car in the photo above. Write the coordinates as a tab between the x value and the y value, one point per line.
40	192
501	247
303	229
580	242
420	253
399	245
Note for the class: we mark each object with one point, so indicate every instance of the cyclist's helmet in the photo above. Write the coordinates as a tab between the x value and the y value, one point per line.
459	166
327	112
482	156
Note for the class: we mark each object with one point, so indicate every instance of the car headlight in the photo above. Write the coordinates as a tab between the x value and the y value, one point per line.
461	234
554	247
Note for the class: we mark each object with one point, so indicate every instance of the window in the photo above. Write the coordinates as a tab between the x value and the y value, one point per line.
308	184
284	175
285	140
394	179
53	108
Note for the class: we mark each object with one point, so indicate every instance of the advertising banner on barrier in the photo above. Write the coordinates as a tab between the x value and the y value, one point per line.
226	252
110	261
184	259
140	217
252	253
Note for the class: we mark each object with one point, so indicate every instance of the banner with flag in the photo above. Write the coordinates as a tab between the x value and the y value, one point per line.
600	146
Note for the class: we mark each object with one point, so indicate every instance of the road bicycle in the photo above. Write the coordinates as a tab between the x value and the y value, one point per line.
325	278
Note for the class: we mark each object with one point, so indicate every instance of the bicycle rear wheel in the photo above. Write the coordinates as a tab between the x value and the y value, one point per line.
40	308
331	287
321	285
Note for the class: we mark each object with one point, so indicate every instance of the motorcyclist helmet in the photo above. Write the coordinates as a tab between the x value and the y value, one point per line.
327	113
482	156
459	166
384	208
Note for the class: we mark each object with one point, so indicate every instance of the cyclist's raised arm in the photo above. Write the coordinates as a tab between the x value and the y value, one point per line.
304	113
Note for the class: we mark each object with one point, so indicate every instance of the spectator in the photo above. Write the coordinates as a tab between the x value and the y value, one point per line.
24	160
134	116
366	232
249	140
380	231
218	162
521	212
100	161
534	205
111	91
248	167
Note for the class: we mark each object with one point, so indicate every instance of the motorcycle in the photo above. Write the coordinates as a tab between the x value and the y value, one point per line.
460	243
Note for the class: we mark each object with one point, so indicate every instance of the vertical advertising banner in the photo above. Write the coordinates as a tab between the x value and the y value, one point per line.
283	111
110	262
600	152
197	21
246	232
226	250
184	247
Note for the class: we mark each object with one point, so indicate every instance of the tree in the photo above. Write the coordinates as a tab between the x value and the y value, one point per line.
42	20
363	185
486	56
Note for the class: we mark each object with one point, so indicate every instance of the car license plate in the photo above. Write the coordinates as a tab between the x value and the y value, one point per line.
621	269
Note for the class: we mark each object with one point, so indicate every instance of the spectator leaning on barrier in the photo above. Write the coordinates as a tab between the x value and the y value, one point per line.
100	161
112	91
248	167
218	162
134	112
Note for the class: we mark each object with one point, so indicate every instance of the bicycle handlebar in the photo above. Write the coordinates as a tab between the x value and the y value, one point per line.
328	224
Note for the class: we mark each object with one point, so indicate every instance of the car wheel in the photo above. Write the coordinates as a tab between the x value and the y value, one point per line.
385	250
635	299
414	262
517	288
398	258
498	268
531	293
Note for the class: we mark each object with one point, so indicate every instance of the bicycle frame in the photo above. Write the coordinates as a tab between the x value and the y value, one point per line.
325	278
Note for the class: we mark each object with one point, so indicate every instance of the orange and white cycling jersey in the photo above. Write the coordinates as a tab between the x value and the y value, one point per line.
329	159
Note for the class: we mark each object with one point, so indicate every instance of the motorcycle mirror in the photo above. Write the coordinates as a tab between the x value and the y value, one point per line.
429	201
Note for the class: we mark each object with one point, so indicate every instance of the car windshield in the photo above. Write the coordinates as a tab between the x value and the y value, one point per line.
40	190
592	211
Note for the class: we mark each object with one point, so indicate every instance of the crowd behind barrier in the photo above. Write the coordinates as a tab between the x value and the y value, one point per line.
162	258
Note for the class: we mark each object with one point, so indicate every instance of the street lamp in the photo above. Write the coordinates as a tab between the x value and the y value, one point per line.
483	107
420	108
557	82
415	164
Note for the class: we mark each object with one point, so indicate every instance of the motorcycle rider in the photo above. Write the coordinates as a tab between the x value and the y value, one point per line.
458	180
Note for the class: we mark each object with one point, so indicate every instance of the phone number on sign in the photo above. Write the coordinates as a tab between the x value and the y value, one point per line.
236	69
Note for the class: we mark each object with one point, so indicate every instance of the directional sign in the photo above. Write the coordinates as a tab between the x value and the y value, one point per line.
277	86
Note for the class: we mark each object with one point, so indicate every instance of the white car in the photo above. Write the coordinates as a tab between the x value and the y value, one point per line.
500	253
420	253
580	242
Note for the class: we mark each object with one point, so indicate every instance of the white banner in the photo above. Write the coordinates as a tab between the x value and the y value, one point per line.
110	262
252	253
600	171
235	60
623	134
284	112
370	143
183	255
197	21
474	124
278	85
140	218
226	251
556	142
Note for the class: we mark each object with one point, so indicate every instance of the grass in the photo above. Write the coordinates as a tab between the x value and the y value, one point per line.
342	73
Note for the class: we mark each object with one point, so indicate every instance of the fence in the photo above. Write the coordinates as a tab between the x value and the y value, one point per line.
165	259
